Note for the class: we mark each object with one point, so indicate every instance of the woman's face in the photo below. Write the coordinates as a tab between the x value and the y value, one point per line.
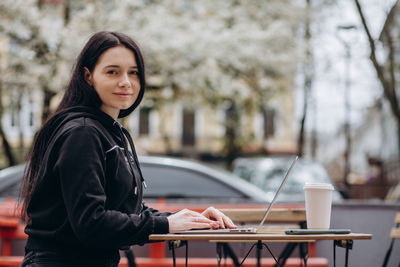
115	78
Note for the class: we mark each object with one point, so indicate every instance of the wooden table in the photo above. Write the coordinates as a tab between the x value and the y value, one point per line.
342	240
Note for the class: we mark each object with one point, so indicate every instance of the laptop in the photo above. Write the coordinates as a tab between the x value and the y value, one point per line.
247	230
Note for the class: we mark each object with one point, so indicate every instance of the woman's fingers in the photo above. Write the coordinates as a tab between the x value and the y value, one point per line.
197	217
199	225
228	222
222	219
187	219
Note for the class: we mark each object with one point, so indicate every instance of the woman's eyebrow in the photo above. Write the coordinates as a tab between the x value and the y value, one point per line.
117	66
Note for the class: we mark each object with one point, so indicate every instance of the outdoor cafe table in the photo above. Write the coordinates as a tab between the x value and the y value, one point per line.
342	240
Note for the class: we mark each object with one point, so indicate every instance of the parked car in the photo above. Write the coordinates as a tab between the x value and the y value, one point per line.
268	172
170	178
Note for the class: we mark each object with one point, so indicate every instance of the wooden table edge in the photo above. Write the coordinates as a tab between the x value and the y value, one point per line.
269	241
262	237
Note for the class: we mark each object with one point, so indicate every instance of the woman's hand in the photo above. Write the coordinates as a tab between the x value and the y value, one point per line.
188	219
216	215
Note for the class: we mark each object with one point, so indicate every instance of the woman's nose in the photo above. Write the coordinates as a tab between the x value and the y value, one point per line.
125	82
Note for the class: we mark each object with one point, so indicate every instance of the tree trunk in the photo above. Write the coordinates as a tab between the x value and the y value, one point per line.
398	137
232	133
314	136
7	148
308	74
46	111
20	153
6	145
386	78
300	142
48	94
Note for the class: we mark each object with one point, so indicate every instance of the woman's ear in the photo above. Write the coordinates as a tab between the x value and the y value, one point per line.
88	76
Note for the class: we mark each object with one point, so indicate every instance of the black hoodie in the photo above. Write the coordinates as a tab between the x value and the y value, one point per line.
88	196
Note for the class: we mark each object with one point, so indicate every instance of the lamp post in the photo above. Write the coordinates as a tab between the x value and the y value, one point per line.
347	109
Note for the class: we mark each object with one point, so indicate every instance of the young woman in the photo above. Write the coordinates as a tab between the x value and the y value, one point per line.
82	188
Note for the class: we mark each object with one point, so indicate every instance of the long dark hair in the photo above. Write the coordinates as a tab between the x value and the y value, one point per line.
78	93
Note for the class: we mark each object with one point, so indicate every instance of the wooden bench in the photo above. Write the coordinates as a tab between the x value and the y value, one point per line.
10	229
394	234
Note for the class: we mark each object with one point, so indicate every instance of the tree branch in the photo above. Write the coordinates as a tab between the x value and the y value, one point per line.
392	66
388	85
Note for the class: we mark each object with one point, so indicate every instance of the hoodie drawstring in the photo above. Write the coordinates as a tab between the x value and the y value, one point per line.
128	136
124	133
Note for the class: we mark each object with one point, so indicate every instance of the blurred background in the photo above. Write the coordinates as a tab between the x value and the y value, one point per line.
226	80
238	85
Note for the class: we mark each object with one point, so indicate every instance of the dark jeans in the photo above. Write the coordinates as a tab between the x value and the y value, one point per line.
46	258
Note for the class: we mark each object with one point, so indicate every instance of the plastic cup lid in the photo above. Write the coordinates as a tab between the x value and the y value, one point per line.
318	186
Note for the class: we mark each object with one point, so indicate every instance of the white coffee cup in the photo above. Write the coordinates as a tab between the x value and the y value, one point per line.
318	205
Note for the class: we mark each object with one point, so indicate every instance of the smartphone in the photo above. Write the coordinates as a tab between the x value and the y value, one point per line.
316	232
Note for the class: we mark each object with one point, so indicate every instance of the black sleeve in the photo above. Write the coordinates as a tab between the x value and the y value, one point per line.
156	212
80	166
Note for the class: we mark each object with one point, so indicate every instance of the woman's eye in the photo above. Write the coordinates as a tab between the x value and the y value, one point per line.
112	72
134	72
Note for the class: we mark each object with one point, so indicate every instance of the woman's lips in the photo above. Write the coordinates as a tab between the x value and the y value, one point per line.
123	94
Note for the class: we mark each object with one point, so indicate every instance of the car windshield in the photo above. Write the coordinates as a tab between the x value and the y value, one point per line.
244	172
301	174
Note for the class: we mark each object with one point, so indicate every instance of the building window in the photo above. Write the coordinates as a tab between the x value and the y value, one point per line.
188	121
144	121
269	122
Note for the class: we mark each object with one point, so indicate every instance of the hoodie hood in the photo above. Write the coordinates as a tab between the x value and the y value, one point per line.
60	119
